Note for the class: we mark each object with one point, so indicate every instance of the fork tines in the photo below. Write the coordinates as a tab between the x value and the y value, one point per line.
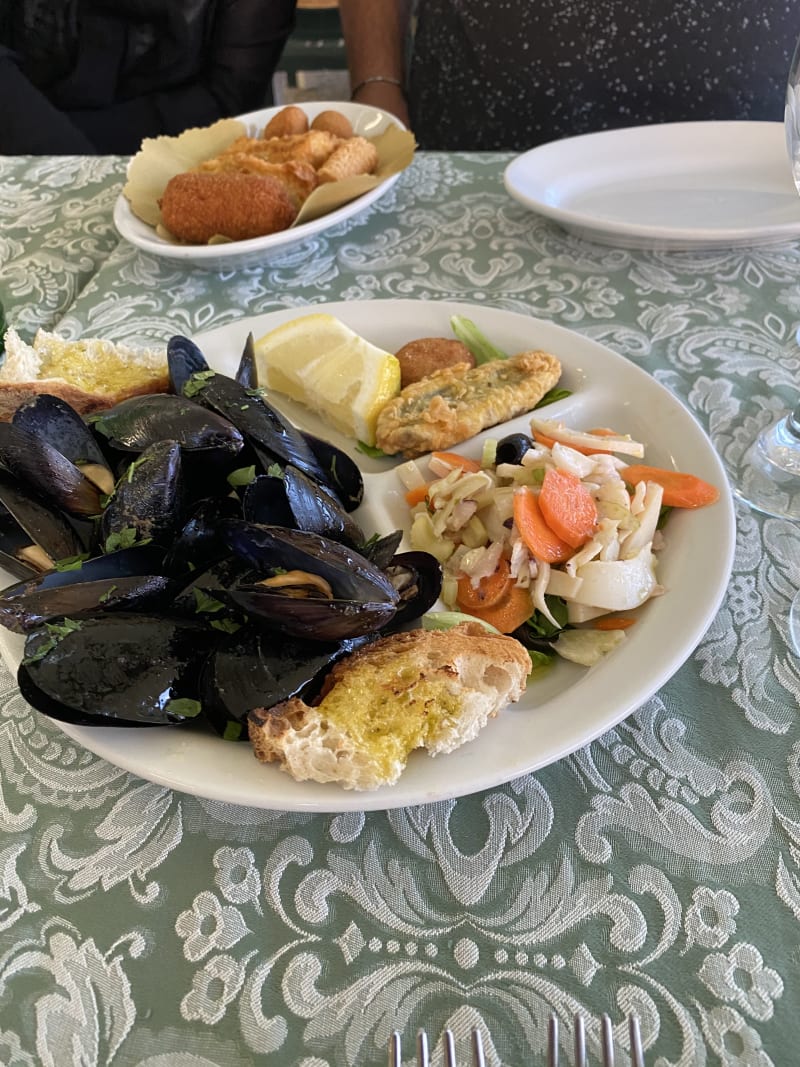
580	1053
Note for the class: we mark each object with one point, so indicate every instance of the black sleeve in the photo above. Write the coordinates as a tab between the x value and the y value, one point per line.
247	39
29	124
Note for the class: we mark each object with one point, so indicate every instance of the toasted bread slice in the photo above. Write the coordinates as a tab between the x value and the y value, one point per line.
421	689
90	374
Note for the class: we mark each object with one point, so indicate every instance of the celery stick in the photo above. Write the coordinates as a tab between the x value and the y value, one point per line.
468	333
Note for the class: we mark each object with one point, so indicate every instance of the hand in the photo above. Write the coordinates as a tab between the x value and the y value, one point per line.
386	96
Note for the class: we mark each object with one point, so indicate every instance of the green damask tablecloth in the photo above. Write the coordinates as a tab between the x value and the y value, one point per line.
656	870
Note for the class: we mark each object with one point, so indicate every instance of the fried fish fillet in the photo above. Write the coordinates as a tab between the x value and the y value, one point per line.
196	207
457	402
299	179
313	147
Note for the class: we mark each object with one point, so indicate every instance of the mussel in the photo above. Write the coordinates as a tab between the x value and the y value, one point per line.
56	422
49	473
140	421
34	534
116	670
148	502
307	585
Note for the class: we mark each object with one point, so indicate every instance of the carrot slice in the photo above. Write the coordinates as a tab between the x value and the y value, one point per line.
454	460
488	592
568	507
509	612
601	431
680	490
416	496
612	622
539	539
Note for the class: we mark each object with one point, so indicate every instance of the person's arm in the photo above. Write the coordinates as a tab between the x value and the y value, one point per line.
29	124
375	38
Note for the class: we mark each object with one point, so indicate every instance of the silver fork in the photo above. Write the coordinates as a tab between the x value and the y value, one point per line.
580	1060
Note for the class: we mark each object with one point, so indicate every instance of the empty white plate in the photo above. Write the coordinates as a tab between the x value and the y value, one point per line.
672	186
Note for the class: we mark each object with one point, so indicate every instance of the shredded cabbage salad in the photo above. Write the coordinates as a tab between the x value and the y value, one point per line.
464	515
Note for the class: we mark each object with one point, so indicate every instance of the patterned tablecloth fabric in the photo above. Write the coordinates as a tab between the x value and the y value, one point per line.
656	870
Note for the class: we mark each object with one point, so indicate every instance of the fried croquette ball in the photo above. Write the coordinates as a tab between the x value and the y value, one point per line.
196	207
334	122
419	359
287	123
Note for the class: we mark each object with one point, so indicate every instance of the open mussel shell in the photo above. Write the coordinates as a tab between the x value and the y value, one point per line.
56	422
417	577
200	542
264	501
253	670
135	424
32	530
342	471
130	579
346	595
147	504
42	467
247	373
263	427
118	670
317	511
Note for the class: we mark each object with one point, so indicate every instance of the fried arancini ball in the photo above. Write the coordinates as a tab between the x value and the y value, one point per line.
289	120
334	122
196	207
419	359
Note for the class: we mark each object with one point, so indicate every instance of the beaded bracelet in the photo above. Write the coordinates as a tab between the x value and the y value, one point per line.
375	78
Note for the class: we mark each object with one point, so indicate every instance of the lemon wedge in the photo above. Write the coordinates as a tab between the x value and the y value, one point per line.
322	363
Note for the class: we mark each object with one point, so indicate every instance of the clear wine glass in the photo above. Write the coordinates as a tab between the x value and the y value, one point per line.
769	476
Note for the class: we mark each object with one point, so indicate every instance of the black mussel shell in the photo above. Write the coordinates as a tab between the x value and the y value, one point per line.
200	542
363	599
184	359
118	670
135	424
253	670
512	448
273	548
147	504
42	467
341	470
264	501
28	521
131	579
60	425
417	576
316	510
246	373
382	551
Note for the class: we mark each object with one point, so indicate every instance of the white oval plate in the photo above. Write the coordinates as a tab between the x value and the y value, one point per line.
671	186
571	705
366	121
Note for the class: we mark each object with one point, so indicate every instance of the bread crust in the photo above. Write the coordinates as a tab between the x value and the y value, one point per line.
433	689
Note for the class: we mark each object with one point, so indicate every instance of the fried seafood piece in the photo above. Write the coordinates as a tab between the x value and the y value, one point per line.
420	358
299	179
313	147
457	402
289	121
196	207
354	156
432	689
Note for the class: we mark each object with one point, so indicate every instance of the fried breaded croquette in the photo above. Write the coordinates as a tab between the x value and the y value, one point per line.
299	179
290	120
196	207
423	357
355	156
456	403
333	121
